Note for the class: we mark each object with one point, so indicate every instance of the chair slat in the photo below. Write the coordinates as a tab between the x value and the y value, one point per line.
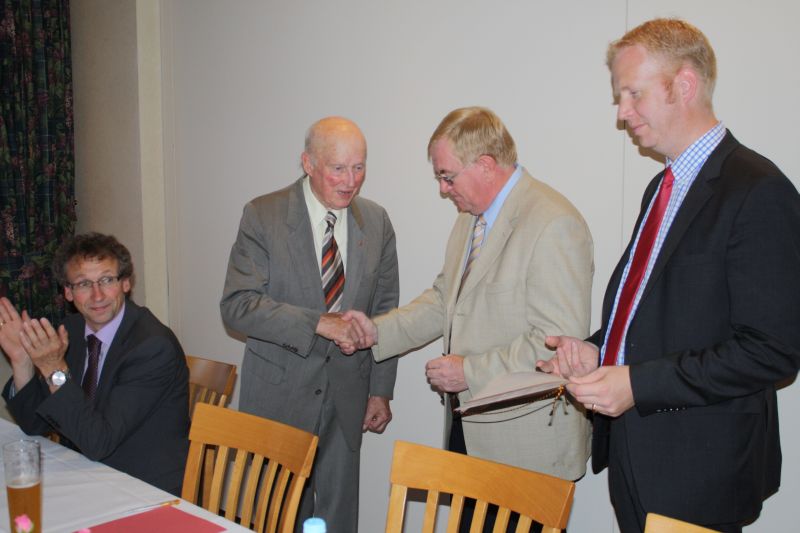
220	470
431	506
397	508
263	504
235	484
501	523
277	497
456	509
249	497
478	516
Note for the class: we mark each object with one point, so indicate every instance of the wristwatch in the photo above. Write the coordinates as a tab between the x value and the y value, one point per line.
58	378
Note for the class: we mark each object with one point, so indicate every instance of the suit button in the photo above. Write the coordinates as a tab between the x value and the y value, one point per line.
327	358
318	392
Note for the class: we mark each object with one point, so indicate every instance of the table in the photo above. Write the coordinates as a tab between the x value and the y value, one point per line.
78	493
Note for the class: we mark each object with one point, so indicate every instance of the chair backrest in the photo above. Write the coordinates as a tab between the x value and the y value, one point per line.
209	381
657	523
259	467
538	497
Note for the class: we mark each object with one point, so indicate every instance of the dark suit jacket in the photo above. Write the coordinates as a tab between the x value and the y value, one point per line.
139	420
273	294
717	326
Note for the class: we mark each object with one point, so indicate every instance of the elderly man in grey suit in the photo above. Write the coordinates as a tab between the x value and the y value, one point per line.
518	265
302	255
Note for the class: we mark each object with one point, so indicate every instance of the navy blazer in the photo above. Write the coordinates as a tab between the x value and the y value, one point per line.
717	326
139	420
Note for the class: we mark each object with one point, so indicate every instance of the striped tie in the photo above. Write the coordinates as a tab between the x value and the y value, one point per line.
332	268
474	248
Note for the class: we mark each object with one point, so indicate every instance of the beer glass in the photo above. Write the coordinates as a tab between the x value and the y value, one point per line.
21	460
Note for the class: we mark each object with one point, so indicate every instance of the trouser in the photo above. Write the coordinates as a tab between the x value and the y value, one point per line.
332	490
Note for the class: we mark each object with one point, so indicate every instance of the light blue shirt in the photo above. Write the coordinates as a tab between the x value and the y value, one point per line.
685	169
490	215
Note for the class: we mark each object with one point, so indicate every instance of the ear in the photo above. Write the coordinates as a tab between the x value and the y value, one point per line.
68	294
487	163
686	84
306	160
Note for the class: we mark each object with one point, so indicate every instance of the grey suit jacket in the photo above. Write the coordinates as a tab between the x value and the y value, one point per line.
532	278
273	295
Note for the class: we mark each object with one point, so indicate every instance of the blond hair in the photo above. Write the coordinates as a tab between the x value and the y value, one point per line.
677	43
473	132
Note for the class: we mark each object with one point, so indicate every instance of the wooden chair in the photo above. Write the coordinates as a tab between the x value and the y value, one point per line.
260	467
534	496
657	523
209	381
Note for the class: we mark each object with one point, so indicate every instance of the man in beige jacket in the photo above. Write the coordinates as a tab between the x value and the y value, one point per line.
529	274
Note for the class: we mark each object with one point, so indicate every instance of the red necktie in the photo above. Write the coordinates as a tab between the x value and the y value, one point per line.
90	377
638	267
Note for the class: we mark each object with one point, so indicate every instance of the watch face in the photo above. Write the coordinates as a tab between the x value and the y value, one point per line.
58	378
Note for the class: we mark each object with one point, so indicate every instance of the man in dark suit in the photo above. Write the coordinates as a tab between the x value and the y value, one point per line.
112	380
700	318
302	255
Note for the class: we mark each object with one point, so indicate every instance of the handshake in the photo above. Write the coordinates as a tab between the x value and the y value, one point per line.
350	331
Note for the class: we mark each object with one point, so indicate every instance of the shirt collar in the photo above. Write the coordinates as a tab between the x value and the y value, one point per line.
490	215
106	333
688	164
317	211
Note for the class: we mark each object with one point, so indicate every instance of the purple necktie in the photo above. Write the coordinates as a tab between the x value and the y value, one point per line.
90	377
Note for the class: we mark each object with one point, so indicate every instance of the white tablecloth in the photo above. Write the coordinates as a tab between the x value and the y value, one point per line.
78	493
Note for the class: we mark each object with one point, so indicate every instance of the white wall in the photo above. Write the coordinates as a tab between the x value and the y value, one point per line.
119	166
243	80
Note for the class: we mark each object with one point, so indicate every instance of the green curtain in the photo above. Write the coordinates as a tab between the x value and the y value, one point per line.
37	171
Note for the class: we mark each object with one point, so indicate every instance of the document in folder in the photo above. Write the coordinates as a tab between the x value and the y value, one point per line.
513	389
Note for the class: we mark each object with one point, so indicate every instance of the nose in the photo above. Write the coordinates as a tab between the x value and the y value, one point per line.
444	187
624	109
97	292
349	177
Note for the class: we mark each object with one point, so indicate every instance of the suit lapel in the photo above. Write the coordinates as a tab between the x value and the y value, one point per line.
301	247
356	242
491	250
496	240
116	351
699	193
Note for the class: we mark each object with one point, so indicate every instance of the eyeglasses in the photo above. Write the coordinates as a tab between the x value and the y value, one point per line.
85	286
450	179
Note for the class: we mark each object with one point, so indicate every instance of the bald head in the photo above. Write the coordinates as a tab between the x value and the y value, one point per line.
335	160
331	130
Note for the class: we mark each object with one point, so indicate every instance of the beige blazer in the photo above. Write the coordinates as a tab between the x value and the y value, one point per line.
533	278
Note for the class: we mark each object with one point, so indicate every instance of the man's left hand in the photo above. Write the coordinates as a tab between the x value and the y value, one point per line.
446	373
378	414
607	390
45	345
